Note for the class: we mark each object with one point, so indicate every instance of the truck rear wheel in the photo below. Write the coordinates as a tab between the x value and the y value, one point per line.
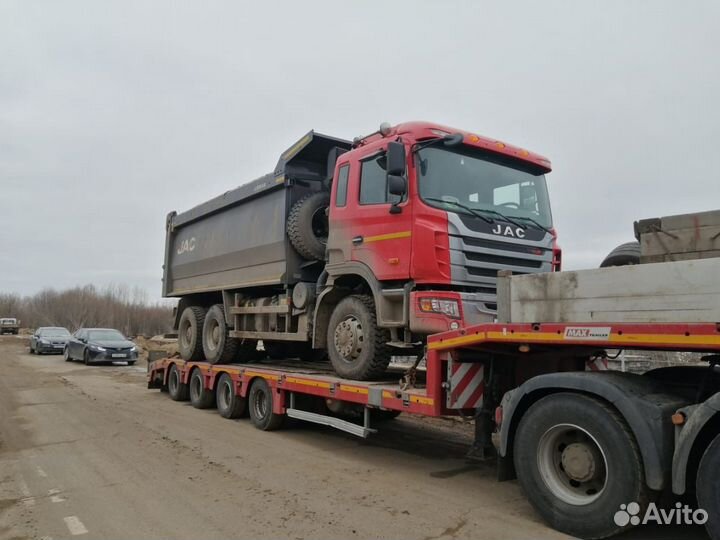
577	462
176	389
307	225
356	346
200	396
708	495
190	333
218	347
623	255
229	404
260	402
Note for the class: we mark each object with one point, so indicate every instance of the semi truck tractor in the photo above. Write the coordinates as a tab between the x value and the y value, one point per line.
358	250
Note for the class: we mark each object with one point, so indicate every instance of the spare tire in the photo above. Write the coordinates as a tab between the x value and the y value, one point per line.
623	255
307	225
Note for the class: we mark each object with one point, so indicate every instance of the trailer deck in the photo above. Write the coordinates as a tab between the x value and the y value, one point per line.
453	381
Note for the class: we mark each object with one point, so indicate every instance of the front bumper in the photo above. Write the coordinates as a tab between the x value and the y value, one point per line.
472	310
112	356
47	348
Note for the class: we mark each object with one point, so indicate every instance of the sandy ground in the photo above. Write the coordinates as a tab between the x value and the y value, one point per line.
91	452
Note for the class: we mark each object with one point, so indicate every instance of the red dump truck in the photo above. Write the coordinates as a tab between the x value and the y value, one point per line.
358	250
596	452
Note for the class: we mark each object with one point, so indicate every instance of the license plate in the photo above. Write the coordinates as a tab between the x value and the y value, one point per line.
119	355
58	346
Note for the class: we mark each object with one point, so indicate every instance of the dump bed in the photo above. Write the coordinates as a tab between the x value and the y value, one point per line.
238	239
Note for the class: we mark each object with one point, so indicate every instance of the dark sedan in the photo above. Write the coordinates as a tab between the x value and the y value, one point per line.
100	345
49	339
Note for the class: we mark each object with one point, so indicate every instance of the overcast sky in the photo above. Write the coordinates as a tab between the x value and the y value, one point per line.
114	113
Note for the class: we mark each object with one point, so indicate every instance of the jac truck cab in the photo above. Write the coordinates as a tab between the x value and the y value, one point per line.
358	250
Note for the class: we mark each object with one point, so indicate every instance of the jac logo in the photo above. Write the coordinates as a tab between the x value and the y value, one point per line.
186	246
507	230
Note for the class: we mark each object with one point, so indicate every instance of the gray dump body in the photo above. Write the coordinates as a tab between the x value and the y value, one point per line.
238	240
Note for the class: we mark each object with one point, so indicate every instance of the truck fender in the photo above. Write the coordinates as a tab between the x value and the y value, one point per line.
700	427
340	280
642	402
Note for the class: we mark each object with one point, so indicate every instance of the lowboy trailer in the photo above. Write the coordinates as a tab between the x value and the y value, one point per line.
581	443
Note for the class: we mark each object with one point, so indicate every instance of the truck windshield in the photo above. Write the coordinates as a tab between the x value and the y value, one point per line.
480	181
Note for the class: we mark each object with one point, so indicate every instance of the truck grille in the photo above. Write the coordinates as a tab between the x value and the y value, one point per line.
476	261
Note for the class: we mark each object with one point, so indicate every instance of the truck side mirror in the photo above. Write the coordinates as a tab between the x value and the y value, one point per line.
395	159
397	185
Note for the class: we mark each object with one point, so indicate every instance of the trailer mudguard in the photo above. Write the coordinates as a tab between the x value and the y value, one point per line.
698	417
643	403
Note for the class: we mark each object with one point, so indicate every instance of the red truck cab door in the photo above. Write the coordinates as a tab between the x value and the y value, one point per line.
362	228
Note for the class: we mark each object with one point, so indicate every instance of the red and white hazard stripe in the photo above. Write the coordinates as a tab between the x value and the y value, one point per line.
597	364
467	385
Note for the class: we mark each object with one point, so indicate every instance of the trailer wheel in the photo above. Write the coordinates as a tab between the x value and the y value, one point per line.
260	403
708	495
307	225
623	255
176	389
200	397
577	462
229	404
219	348
190	333
356	346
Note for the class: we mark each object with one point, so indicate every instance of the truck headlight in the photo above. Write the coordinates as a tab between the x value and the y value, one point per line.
444	306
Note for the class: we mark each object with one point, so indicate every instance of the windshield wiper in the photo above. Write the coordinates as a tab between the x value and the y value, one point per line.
538	225
473	211
501	216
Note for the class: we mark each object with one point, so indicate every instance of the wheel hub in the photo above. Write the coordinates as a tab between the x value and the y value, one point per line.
349	338
572	464
579	462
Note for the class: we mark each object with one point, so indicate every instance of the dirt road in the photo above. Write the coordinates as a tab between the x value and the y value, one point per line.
90	452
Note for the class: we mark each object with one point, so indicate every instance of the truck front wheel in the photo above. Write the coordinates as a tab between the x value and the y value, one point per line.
190	333
218	347
356	346
706	487
578	462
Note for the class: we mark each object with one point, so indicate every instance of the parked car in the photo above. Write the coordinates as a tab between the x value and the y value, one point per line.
99	345
9	325
49	339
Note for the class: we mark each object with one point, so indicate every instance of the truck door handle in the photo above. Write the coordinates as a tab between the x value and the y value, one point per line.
357	240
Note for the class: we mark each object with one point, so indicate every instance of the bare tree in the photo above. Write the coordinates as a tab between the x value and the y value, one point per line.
116	306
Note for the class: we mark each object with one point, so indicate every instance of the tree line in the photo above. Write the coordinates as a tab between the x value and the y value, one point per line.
115	306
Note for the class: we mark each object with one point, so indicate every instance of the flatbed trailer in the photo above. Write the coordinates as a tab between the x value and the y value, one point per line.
626	439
